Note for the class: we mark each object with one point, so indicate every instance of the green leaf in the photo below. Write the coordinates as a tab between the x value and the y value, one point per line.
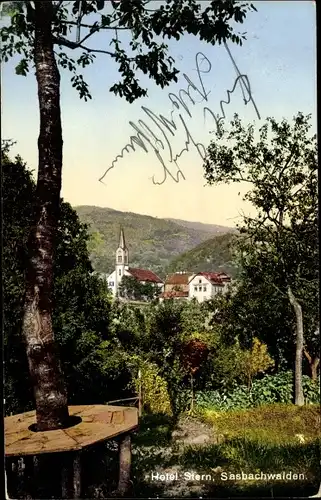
100	4
22	67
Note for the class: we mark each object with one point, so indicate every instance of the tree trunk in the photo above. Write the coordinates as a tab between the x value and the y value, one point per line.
44	366
298	392
313	364
125	456
314	368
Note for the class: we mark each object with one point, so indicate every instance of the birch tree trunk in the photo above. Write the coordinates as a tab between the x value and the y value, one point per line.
298	391
44	366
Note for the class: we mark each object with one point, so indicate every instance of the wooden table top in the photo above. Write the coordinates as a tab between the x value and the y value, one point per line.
98	423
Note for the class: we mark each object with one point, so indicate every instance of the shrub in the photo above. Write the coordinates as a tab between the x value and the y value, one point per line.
311	390
240	397
180	401
254	361
232	364
154	390
270	389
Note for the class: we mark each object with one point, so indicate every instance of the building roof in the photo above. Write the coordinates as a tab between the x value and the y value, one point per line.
178	278
214	278
144	275
173	294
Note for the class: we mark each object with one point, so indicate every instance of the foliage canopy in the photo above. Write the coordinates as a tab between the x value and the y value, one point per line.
147	27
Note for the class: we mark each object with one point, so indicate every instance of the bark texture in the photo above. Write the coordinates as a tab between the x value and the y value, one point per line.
77	475
314	368
45	371
313	364
298	389
125	456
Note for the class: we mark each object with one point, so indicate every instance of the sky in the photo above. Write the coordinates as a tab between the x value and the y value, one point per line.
279	59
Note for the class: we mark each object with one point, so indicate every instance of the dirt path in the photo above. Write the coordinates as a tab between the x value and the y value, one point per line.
165	470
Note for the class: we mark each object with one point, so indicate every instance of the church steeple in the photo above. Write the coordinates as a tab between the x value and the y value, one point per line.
121	254
122	243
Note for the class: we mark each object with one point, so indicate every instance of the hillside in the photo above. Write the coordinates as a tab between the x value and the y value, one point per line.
200	226
214	254
152	242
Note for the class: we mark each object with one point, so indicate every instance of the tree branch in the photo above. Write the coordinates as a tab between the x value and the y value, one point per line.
89	35
285	295
287	163
79	22
94	29
73	45
74	23
57	7
307	355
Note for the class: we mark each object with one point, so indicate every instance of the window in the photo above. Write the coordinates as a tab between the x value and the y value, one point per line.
199	288
119	272
204	288
120	258
200	281
111	283
195	288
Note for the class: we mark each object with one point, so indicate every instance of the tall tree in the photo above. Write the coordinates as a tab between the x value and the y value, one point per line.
34	30
89	351
44	365
281	168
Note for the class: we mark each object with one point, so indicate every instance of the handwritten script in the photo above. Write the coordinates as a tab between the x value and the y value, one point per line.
156	132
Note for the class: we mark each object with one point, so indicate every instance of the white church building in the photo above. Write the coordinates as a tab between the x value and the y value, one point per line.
122	269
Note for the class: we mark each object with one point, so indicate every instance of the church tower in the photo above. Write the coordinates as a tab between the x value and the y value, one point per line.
121	258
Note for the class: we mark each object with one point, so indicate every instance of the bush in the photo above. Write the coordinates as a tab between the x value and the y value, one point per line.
181	401
239	398
311	390
270	389
154	390
255	360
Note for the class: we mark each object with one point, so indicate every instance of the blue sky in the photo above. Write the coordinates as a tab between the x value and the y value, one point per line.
279	58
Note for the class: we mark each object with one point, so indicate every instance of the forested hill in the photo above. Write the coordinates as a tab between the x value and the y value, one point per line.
153	242
214	254
207	228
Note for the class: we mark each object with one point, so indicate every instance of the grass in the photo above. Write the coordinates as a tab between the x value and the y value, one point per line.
261	440
276	424
242	454
154	434
154	429
239	455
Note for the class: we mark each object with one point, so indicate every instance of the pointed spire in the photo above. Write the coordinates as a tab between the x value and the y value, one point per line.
122	243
